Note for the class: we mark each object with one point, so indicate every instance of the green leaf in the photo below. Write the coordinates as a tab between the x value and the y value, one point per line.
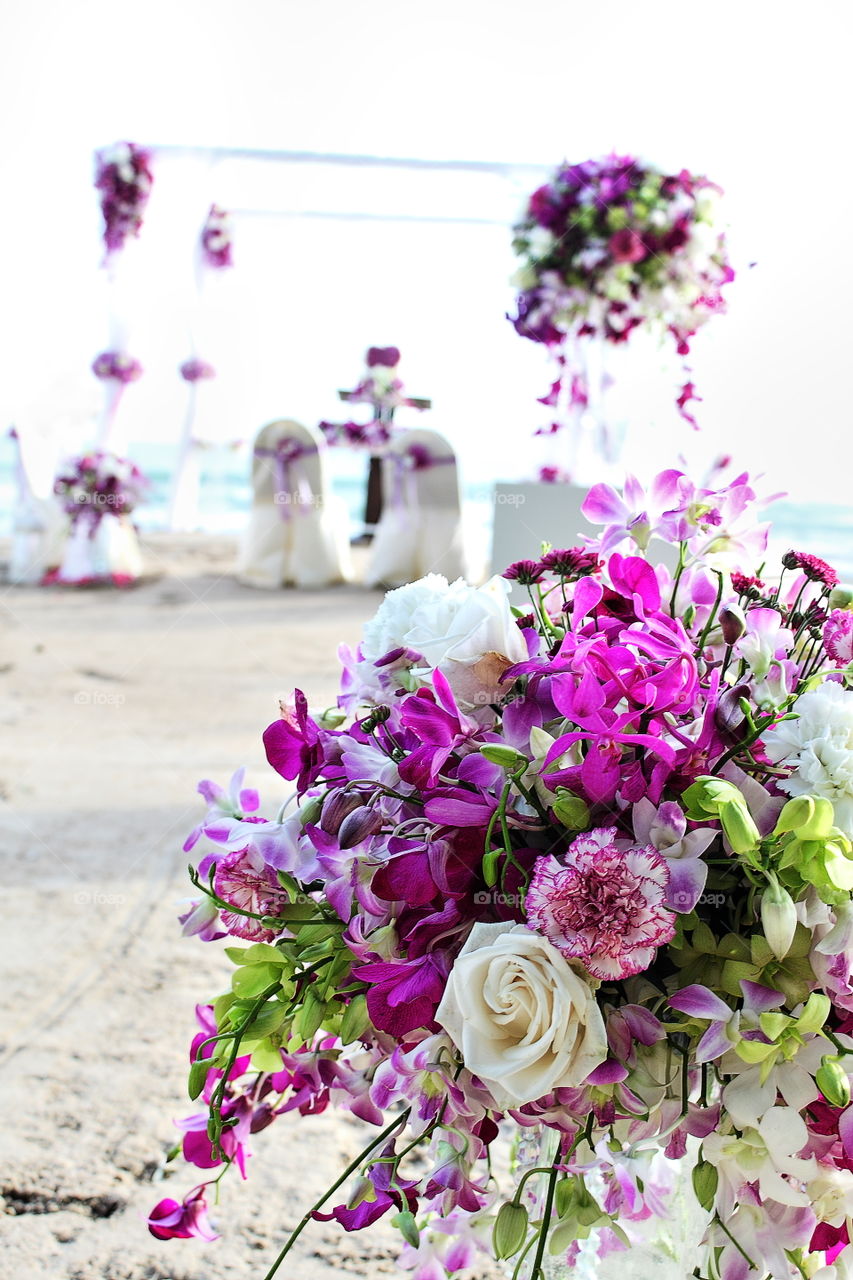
268	1020
251	980
266	1057
356	1019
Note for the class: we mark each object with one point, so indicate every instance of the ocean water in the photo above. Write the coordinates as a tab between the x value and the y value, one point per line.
225	495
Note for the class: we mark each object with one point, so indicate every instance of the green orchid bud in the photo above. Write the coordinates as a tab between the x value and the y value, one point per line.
506	757
510	1230
815	1013
408	1227
571	810
841	597
309	813
705	1181
332	718
705	796
810	817
833	1081
778	917
740	830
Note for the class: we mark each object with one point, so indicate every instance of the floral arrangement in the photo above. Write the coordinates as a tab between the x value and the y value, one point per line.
357	435
382	389
123	177
609	246
217	239
115	366
100	484
195	370
581	871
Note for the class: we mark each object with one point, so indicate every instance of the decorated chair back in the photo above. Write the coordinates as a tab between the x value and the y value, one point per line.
287	467
421	526
297	535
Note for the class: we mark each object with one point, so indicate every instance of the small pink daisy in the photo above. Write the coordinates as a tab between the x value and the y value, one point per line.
603	906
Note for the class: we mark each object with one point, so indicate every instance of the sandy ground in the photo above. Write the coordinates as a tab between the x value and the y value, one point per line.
113	704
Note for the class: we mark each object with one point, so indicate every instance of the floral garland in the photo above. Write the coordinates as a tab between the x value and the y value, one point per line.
584	867
217	240
609	246
123	177
99	484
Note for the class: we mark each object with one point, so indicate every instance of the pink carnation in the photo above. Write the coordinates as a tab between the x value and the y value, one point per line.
838	637
603	906
246	882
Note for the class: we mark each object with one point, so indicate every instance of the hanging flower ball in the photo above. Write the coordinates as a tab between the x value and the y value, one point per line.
117	367
217	239
124	179
613	245
195	370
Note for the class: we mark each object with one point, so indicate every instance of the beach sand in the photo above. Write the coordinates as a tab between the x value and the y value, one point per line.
113	705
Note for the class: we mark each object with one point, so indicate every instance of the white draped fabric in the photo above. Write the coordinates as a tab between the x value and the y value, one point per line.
100	550
297	533
420	530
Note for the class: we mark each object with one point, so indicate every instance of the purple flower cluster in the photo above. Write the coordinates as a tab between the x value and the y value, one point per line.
216	239
613	245
490	905
123	177
195	370
98	484
115	366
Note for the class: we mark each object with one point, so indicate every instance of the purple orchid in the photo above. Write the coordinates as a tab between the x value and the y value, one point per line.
294	744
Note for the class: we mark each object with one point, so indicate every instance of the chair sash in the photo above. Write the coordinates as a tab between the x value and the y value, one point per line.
289	477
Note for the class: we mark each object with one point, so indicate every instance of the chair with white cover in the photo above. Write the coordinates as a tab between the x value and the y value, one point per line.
297	534
420	530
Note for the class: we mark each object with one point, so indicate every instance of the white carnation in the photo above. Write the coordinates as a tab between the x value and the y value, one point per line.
468	633
818	745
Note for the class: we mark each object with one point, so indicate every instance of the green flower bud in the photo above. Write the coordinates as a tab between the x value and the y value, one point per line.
507	757
841	597
408	1228
571	811
740	830
705	796
705	1180
833	1082
332	718
309	813
778	918
810	817
510	1230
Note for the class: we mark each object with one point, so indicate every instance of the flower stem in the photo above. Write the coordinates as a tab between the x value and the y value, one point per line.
546	1222
351	1168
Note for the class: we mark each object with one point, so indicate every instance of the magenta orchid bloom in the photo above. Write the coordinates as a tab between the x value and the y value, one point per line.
294	743
174	1220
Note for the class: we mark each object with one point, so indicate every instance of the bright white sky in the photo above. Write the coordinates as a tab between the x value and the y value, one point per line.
754	94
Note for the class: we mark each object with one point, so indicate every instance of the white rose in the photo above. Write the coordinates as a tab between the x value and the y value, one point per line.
524	1020
468	633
